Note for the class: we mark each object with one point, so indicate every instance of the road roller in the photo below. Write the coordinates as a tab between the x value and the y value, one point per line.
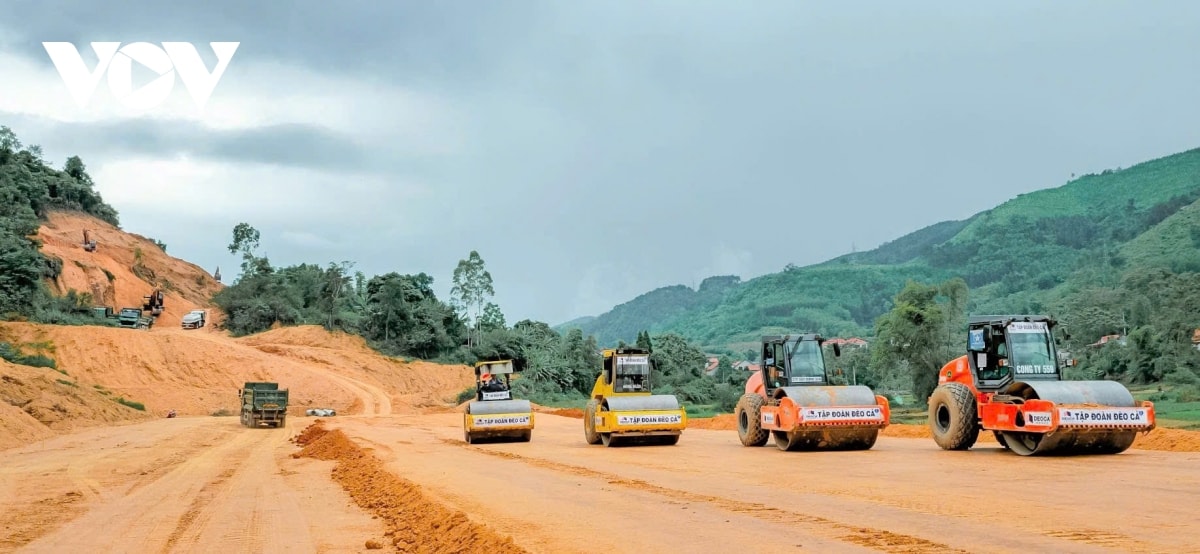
494	415
624	411
791	400
1010	383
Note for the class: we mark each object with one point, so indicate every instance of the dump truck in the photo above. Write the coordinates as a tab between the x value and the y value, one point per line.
263	403
790	399
623	410
194	319
495	414
132	318
1010	382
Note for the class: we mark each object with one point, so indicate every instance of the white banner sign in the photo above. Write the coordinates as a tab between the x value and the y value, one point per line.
500	421
633	360
1104	416
1035	369
801	379
498	395
1027	327
843	414
1037	418
648	419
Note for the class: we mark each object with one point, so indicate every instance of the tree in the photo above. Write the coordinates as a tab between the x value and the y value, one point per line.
245	240
643	341
915	333
472	287
492	318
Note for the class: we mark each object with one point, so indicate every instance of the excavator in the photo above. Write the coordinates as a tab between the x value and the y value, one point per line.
153	303
790	400
1010	382
88	244
494	414
624	411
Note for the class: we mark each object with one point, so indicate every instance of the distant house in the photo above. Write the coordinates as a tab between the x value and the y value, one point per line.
1196	339
852	341
1109	338
745	366
710	368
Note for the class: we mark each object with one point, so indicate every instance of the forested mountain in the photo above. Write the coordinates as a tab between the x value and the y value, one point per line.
1037	252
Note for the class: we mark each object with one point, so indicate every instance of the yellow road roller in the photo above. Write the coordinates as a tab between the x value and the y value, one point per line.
495	415
624	411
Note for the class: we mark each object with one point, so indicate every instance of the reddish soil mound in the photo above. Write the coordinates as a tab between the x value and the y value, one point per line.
37	402
568	412
1162	438
414	386
124	268
414	522
723	421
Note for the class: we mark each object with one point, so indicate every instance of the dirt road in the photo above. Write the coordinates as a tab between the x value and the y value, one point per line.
175	485
208	485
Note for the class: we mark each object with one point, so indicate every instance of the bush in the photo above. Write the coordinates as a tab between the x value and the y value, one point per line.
14	355
135	405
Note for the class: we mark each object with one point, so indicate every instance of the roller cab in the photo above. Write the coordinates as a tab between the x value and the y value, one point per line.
495	415
624	411
791	401
1010	383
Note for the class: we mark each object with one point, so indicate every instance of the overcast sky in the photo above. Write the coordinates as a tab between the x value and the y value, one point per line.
592	151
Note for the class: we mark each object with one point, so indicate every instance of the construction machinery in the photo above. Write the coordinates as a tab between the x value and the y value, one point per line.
194	319
88	244
263	403
494	414
153	303
623	410
132	318
791	400
1010	382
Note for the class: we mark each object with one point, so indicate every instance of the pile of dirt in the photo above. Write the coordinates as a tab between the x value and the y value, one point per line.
36	402
1162	438
1170	440
124	268
720	422
414	386
202	373
415	523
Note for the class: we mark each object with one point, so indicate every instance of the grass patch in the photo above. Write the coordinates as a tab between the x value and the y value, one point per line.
109	274
14	354
67	383
700	411
135	405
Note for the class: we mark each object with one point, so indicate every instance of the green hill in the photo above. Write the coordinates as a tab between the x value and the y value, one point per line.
1027	254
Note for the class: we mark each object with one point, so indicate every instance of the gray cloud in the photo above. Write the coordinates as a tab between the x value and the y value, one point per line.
609	148
293	144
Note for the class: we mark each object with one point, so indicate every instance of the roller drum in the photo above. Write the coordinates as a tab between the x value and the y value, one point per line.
853	395
492	407
828	438
1071	441
654	403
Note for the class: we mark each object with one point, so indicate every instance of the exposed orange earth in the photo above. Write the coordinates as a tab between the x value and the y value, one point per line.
391	473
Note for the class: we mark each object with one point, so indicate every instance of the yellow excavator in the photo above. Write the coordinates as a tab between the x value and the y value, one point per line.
623	410
494	414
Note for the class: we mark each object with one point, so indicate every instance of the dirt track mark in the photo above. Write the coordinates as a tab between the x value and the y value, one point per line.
873	538
375	401
203	498
146	517
1101	538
